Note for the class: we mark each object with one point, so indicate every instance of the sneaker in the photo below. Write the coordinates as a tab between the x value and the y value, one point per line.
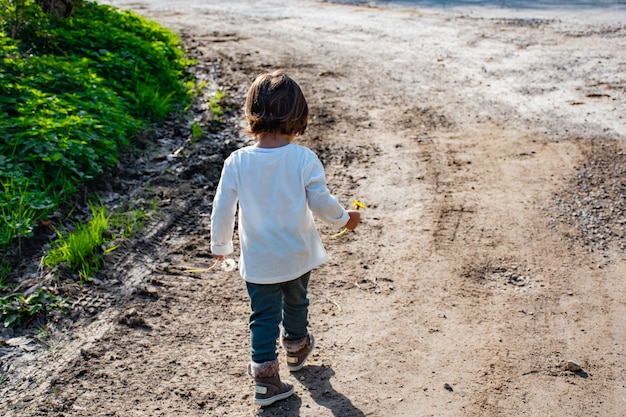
268	388
298	351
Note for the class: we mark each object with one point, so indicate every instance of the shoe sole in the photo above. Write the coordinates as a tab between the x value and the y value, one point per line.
263	402
297	368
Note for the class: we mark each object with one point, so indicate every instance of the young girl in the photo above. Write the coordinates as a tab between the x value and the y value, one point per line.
278	186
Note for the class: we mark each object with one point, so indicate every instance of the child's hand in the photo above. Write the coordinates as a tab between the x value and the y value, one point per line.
355	219
219	257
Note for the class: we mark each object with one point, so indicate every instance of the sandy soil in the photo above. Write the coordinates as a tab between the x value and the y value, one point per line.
489	146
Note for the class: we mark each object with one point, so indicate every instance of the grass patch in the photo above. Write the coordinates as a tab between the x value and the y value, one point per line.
81	249
73	94
84	248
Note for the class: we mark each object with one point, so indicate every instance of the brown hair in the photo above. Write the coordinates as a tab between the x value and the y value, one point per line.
275	103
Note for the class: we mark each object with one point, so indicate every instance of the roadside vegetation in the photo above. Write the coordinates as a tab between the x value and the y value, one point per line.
77	84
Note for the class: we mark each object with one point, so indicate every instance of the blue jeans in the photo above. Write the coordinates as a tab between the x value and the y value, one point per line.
273	304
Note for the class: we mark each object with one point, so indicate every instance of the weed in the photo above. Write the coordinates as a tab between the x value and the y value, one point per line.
16	307
20	206
128	222
84	248
80	249
199	87
44	331
5	270
21	17
215	104
196	130
53	350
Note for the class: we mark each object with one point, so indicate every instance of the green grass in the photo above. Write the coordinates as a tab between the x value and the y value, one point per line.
73	94
44	331
124	224
197	131
81	248
84	248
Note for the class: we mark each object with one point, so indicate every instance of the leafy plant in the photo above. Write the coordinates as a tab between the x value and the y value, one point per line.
215	103
20	206
196	130
73	93
16	307
143	62
21	17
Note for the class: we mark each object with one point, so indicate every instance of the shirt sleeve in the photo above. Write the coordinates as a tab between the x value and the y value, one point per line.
323	204
223	213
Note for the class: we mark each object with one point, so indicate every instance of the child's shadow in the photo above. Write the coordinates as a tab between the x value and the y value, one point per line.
316	379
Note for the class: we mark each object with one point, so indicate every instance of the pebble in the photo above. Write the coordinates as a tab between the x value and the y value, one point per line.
573	366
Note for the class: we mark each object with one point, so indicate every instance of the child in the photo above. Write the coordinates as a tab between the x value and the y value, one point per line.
278	186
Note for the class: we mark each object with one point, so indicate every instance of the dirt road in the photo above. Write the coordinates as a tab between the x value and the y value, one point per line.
489	147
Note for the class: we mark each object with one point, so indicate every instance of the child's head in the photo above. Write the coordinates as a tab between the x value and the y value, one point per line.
275	103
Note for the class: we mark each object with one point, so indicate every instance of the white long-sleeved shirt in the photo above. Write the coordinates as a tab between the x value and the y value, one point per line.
279	191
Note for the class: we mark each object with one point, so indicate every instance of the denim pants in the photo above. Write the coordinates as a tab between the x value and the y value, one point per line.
273	304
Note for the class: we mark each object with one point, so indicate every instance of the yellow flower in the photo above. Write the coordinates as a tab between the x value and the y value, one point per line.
357	204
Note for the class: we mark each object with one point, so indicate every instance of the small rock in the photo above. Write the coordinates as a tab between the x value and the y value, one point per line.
448	387
573	366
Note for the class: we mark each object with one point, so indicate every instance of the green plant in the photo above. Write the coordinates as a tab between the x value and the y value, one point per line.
81	249
73	93
126	223
215	103
196	130
84	248
44	331
5	270
16	307
21	17
153	203
143	62
20	207
54	350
